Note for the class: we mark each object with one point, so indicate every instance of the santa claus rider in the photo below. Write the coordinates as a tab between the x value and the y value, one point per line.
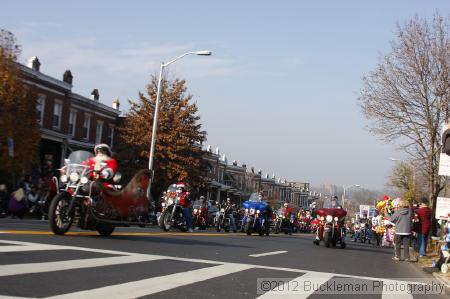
103	165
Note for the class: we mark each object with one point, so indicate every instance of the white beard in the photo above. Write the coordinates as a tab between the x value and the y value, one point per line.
99	159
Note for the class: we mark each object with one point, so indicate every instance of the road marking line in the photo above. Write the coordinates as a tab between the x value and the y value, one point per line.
286	290
30	268
194	260
155	284
4	249
267	253
396	294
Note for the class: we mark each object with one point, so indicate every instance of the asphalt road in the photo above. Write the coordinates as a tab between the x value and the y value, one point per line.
146	262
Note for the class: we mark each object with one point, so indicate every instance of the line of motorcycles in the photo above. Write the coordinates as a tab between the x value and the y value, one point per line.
255	216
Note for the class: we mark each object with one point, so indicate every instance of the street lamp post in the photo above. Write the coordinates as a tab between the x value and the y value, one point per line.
156	115
343	195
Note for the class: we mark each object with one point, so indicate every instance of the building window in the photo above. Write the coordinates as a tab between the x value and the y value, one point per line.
98	133
111	136
86	126
57	111
72	122
40	106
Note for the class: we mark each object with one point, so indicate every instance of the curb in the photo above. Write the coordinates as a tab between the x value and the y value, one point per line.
445	281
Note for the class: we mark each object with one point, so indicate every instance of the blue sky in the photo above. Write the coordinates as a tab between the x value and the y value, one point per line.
279	92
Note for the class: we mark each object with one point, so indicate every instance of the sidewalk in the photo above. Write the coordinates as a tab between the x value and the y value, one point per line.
426	262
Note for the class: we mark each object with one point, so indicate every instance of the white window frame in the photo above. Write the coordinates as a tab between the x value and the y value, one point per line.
40	101
72	121
111	135
99	133
56	104
87	117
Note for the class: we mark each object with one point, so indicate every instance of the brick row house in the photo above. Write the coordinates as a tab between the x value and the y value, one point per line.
68	121
239	182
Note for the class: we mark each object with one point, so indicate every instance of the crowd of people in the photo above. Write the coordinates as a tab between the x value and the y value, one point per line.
406	227
31	198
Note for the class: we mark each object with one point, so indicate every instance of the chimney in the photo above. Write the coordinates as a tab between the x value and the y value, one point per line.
67	77
116	104
34	63
95	95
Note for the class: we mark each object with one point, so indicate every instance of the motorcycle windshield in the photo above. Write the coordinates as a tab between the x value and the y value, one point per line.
331	204
78	157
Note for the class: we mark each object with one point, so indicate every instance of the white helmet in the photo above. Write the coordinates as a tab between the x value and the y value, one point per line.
103	147
285	204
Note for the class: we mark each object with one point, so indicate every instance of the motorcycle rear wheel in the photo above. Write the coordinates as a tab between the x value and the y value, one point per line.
105	229
59	218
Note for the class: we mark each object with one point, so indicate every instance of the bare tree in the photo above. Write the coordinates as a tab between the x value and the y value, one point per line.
407	96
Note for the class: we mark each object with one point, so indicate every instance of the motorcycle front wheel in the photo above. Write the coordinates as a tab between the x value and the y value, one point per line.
59	217
248	228
327	239
166	221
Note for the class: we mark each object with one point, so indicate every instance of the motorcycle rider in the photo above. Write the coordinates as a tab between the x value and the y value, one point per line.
229	212
103	165
185	202
288	216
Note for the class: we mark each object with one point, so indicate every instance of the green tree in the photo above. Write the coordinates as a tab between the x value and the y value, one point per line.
17	113
178	152
407	95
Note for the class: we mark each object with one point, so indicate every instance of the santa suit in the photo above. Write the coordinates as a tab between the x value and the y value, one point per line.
103	163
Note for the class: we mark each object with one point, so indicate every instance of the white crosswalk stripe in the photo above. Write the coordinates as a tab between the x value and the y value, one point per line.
163	283
312	278
156	284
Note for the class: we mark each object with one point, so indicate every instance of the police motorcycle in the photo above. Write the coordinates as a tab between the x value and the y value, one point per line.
94	204
257	217
331	228
172	216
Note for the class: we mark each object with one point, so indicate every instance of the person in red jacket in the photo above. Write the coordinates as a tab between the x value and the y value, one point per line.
185	202
423	229
105	167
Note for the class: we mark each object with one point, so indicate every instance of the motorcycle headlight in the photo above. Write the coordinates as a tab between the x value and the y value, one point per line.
74	177
258	211
336	219
246	210
195	210
222	210
84	180
322	218
282	217
329	218
64	178
170	201
252	211
163	204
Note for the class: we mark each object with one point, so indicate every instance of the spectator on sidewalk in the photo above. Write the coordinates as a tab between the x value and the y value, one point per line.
403	226
18	203
424	214
4	198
